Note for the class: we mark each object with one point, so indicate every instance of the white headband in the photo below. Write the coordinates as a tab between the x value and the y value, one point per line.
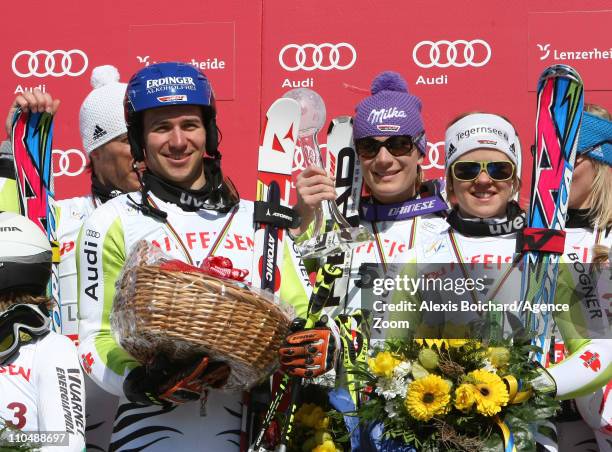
482	130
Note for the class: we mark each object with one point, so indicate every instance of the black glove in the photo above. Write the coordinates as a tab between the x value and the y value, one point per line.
166	383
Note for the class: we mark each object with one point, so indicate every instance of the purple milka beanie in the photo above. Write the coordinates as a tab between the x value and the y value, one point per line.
390	110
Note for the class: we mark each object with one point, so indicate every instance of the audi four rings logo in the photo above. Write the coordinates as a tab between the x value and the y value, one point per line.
433	156
459	53
71	162
53	63
325	56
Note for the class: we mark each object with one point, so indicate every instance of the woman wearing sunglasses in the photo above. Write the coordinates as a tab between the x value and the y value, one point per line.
399	207
41	384
479	241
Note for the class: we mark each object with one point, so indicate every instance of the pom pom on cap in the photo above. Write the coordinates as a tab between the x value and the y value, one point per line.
389	81
103	75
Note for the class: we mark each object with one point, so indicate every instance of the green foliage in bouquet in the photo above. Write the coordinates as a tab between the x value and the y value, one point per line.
454	394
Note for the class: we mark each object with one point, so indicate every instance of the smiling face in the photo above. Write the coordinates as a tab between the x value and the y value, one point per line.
391	179
174	140
482	197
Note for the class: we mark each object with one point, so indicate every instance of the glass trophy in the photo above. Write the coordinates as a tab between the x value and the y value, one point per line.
339	236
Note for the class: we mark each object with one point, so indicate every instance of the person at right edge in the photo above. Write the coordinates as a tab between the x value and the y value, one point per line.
588	226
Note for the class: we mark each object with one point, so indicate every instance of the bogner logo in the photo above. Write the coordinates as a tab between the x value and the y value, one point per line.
507	227
9	229
378	116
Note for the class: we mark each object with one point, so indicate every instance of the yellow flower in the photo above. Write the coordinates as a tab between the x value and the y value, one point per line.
327	446
383	364
312	415
427	397
499	356
456	343
491	392
465	397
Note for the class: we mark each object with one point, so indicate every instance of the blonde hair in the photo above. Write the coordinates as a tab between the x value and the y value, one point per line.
516	181
600	196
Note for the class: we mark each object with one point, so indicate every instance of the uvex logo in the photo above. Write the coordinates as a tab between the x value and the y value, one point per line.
507	227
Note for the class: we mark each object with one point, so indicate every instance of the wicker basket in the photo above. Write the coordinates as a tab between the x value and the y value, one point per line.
187	314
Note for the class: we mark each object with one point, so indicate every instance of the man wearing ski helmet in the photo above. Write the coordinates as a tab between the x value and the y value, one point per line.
41	384
186	207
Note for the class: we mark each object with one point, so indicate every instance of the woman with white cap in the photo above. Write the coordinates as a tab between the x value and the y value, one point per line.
42	395
483	178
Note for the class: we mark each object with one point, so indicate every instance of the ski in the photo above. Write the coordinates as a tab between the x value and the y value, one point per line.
560	99
342	162
32	152
272	213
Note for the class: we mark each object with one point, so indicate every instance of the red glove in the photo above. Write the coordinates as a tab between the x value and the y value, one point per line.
308	353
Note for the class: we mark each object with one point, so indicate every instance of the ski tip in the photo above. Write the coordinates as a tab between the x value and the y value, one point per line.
561	70
338	120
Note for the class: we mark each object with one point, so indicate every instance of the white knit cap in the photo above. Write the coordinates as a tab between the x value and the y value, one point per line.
101	117
482	130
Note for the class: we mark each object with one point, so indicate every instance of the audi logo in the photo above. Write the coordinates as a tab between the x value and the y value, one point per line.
459	53
68	165
433	156
54	63
325	56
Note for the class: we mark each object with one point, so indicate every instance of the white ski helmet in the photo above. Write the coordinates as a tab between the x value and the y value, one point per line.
25	255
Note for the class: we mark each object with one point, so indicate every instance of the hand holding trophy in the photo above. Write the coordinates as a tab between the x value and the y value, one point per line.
339	236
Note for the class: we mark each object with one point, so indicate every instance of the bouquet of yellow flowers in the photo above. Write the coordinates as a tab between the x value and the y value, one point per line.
317	427
453	394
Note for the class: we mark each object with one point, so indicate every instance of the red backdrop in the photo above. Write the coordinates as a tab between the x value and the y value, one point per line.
479	55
